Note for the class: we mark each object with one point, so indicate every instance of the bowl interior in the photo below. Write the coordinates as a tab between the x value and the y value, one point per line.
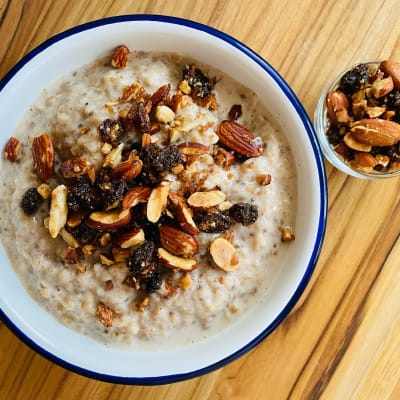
82	45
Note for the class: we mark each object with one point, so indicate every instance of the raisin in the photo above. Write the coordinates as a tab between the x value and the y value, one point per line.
392	99
82	195
200	84
245	213
141	257
113	191
111	131
213	222
31	201
354	79
139	117
83	233
152	282
159	159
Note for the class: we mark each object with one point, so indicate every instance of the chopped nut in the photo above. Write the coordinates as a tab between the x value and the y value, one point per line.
164	114
114	157
287	234
69	239
106	148
184	87
105	239
186	281
157	201
44	190
264	179
141	305
105	315
105	260
80	268
89	249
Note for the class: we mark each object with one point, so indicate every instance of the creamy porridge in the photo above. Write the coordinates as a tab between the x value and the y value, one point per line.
148	200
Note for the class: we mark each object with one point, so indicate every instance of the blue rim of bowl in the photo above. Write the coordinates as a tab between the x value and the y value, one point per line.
166	379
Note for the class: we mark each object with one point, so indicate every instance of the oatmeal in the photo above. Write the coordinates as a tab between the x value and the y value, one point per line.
147	200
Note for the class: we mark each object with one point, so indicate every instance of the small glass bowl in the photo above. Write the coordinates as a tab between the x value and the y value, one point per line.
321	124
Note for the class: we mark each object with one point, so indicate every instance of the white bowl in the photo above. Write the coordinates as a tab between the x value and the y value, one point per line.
80	45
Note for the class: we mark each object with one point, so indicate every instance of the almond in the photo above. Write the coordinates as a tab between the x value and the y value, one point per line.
376	132
43	156
206	199
337	105
136	195
11	149
193	149
157	201
175	262
164	114
224	254
160	95
382	87
287	234
109	220
129	169
237	138
58	210
392	68
131	238
351	143
364	160
185	219
120	57
178	242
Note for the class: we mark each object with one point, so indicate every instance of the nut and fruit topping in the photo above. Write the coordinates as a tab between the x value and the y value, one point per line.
364	116
146	206
11	149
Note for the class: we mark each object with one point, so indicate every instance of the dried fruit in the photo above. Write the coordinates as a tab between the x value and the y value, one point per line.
354	79
120	56
76	167
111	131
235	112
237	138
224	254
200	85
158	159
141	257
31	201
82	195
245	213
213	222
178	242
43	156
11	149
58	210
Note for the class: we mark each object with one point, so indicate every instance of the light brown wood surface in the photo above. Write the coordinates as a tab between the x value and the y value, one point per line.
342	340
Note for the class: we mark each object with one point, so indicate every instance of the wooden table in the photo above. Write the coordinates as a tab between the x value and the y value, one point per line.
342	340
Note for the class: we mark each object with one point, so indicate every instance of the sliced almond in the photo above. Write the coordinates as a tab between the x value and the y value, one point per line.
109	220
114	157
164	114
354	144
178	242
131	238
185	219
175	262
157	201
136	195
58	210
206	199
224	254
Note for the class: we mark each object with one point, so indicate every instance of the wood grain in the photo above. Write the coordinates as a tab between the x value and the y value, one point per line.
342	340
